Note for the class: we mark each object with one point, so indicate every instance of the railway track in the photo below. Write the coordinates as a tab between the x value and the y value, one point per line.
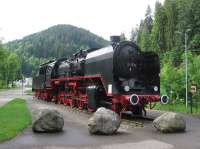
133	121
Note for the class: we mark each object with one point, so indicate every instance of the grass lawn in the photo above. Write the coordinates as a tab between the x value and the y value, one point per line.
178	107
29	92
14	117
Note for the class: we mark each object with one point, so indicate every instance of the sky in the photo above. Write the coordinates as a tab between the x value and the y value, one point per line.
19	18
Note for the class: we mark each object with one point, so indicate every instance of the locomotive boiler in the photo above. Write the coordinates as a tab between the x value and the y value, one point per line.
119	76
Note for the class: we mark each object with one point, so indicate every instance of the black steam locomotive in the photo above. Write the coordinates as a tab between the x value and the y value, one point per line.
120	77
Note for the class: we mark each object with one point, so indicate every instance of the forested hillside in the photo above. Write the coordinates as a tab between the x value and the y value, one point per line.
55	42
165	32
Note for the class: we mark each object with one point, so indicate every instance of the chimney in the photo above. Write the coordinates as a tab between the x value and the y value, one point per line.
115	39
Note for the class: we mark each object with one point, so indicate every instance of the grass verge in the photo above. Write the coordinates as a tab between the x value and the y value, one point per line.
179	107
14	117
5	89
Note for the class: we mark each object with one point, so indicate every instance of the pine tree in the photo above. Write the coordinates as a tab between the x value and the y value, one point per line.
134	34
122	36
172	14
159	28
145	39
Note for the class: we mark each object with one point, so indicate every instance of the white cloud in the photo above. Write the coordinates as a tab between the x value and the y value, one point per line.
103	17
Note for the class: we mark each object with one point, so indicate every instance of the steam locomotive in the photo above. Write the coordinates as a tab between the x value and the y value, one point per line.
120	77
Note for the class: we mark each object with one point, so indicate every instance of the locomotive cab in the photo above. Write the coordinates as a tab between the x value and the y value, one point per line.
43	78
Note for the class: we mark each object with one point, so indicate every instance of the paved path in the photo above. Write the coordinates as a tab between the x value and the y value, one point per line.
75	134
7	95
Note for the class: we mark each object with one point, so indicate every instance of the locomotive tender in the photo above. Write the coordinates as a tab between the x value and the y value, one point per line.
120	77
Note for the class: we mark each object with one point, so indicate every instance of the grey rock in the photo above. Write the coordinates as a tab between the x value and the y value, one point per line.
104	121
48	121
170	122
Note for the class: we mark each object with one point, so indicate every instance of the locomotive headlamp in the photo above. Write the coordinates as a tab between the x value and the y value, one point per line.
126	88
155	88
91	87
164	99
134	99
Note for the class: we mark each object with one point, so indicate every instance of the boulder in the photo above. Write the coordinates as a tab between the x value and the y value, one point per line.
170	122
48	121
104	121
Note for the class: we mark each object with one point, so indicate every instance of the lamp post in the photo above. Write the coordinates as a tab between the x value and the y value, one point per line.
22	85
186	65
186	72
